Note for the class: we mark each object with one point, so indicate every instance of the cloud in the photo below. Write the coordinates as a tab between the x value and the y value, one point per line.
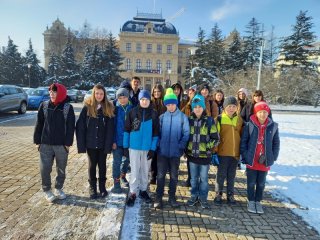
226	10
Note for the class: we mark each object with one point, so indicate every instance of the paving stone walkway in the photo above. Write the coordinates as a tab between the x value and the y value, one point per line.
24	213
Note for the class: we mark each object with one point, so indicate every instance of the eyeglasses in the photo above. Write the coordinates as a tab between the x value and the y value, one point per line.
52	92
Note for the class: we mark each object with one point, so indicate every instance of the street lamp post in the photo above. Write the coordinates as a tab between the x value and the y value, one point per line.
29	67
192	50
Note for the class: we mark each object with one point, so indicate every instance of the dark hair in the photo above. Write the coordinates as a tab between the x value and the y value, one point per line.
135	78
157	86
257	93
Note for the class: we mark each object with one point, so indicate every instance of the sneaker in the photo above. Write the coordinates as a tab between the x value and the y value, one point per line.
131	199
204	204
158	203
145	196
252	207
259	208
116	186
50	197
93	192
173	202
218	199
192	201
231	200
60	194
104	194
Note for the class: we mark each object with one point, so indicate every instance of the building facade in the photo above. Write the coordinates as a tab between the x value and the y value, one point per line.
151	49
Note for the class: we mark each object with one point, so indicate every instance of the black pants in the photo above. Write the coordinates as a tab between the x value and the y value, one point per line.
154	168
97	157
165	164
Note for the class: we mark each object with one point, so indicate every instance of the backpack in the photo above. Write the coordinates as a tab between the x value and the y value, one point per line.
66	108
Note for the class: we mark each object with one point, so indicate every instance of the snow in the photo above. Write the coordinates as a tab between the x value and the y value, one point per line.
295	177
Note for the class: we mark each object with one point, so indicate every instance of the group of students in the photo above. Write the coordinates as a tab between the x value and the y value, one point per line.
151	131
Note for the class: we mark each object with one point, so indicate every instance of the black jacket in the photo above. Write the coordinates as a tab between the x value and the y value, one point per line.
54	129
94	133
247	111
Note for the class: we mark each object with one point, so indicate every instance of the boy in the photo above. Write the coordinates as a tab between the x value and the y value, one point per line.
260	145
229	126
203	137
53	134
140	141
120	165
173	137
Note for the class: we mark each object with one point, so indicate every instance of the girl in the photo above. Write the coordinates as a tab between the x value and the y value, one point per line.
218	97
157	95
211	106
94	131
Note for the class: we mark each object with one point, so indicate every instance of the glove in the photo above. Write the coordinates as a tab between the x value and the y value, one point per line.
126	152
150	154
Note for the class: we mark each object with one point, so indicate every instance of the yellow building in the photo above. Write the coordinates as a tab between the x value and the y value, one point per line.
152	50
150	46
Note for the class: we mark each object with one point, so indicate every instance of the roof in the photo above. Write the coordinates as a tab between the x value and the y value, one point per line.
142	19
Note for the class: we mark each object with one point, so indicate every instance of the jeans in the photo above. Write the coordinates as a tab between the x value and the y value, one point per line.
47	155
226	170
256	181
199	180
97	157
154	166
165	164
120	164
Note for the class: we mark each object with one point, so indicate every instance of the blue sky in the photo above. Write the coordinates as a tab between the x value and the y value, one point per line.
24	19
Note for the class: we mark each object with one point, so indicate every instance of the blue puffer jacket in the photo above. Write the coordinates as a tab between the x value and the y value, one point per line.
141	129
120	112
174	134
249	142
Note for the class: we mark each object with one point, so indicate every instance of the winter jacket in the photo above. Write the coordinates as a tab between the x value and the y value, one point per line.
141	129
94	132
54	129
134	97
230	134
119	122
201	139
158	106
173	134
249	142
211	107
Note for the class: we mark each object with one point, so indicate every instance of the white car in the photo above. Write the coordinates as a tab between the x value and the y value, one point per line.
88	94
111	93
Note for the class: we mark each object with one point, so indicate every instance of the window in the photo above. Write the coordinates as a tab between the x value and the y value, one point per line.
159	48
128	47
148	64
179	69
159	66
138	47
180	53
149	30
138	64
169	65
128	64
169	49
149	47
12	90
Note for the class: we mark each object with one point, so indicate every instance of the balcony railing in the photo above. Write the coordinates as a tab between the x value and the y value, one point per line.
148	71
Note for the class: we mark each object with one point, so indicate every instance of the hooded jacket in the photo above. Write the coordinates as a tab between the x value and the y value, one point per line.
55	129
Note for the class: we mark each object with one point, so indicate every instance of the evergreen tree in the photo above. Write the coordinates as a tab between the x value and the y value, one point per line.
12	65
111	61
252	44
297	48
215	60
54	69
271	49
234	57
36	74
69	68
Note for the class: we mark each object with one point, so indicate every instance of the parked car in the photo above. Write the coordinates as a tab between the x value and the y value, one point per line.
37	96
75	95
13	98
111	93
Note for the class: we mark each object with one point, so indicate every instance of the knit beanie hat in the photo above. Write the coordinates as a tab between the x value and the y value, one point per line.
193	87
231	100
245	91
144	94
122	92
198	100
262	105
170	97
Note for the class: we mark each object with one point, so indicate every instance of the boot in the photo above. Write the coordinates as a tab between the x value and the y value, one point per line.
93	190
124	180
173	202
102	188
116	186
218	199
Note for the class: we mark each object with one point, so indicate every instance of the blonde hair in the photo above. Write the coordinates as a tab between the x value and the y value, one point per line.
91	103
